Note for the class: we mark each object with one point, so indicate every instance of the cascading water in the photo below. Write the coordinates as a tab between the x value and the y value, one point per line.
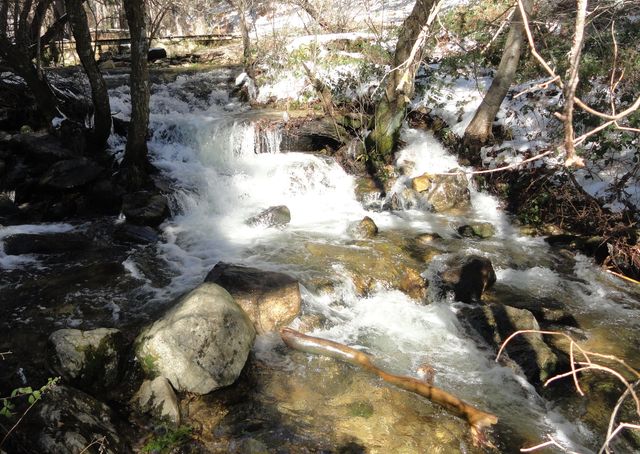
208	144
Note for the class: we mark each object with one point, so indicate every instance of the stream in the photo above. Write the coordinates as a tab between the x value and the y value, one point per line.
225	169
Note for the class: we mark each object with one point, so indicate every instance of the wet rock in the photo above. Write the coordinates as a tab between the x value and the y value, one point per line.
441	193
426	239
88	359
276	216
120	126
468	277
478	229
270	299
157	398
106	197
145	208
496	322
52	243
199	345
367	192
70	420
366	228
107	65
71	173
137	234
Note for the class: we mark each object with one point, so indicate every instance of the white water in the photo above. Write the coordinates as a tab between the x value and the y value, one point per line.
209	147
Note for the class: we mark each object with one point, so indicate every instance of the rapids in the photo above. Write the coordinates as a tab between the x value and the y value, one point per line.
225	170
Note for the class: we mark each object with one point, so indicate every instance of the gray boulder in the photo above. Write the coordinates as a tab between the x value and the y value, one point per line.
157	398
199	345
70	420
270	299
276	216
89	359
496	322
138	234
468	277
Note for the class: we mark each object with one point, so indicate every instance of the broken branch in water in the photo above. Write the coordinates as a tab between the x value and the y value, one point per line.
477	419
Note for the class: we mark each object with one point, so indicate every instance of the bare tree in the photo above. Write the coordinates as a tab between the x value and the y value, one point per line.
16	31
390	111
100	97
136	159
478	133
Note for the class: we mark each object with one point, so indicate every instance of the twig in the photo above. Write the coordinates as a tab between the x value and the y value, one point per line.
551	442
3	354
622	276
540	86
97	441
499	169
612	419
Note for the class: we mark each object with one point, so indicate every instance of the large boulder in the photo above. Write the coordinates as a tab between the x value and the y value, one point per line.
145	208
71	174
41	146
90	360
276	216
69	420
441	193
496	322
468	277
52	243
270	299
199	345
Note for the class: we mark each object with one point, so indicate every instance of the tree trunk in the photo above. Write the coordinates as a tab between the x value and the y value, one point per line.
136	160
479	133
17	56
390	111
99	95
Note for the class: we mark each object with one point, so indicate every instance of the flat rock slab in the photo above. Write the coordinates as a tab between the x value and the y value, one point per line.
41	146
53	243
71	174
270	299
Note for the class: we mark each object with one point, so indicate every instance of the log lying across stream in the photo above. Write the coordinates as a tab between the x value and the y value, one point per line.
477	419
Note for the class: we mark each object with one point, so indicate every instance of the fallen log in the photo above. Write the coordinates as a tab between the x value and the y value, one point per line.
477	419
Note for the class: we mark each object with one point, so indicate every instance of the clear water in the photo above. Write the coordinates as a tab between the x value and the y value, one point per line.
226	170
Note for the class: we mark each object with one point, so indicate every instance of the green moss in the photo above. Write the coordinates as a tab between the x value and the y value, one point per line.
361	409
149	365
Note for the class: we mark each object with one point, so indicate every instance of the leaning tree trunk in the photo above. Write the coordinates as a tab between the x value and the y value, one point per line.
99	94
136	159
479	133
390	111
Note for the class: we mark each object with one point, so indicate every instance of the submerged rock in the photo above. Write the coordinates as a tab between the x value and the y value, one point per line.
89	359
70	420
145	208
478	229
270	299
52	243
199	345
468	277
157	398
496	322
276	216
